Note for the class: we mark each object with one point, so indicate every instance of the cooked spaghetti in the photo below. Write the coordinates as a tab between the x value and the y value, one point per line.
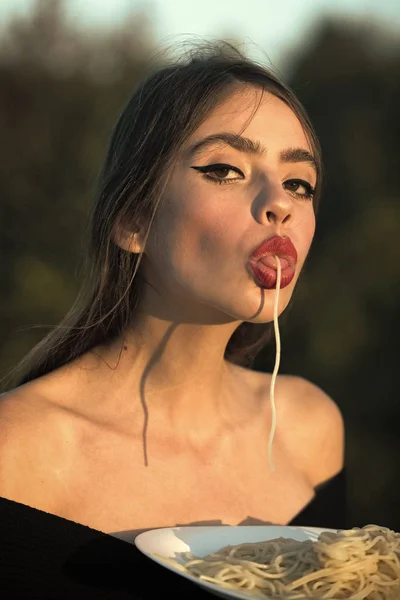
277	361
355	564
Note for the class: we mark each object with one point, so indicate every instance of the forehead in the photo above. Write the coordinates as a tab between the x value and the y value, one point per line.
261	117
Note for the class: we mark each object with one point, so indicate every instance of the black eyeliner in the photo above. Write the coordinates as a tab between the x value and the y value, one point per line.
215	167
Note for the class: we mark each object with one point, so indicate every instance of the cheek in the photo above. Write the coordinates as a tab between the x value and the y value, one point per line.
310	228
188	227
308	233
196	215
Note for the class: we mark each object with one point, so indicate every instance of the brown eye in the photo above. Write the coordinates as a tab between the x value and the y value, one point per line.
293	185
221	172
218	173
300	188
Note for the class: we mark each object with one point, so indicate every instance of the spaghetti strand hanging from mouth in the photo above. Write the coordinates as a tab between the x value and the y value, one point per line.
277	362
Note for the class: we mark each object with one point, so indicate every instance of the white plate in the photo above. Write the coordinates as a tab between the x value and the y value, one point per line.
170	542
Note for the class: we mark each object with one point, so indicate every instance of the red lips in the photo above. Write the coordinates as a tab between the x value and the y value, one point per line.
264	265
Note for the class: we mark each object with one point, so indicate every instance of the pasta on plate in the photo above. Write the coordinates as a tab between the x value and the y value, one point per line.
355	564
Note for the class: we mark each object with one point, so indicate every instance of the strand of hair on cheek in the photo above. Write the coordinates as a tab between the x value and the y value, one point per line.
277	361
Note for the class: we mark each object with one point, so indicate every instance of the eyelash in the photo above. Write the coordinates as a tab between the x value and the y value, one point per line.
217	167
310	191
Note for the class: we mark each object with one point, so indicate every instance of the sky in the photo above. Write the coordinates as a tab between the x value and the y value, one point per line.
267	27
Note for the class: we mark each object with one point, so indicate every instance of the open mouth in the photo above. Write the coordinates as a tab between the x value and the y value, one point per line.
267	276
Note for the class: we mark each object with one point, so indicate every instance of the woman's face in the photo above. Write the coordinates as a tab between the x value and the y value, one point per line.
211	218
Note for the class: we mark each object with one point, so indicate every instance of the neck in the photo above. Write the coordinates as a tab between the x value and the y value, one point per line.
177	375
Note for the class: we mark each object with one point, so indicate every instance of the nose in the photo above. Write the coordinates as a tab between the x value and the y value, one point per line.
274	206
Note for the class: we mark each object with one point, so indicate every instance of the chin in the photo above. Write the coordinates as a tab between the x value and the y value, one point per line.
264	310
261	314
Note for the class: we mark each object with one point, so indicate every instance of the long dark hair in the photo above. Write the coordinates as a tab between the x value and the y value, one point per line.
162	113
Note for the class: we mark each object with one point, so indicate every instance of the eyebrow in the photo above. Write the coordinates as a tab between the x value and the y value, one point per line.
244	144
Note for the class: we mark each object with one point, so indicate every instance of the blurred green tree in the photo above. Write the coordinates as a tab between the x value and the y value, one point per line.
61	90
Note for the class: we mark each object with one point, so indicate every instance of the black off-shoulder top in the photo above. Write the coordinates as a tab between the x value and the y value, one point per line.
46	557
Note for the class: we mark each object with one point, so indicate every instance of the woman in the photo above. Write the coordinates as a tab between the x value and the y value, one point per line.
141	409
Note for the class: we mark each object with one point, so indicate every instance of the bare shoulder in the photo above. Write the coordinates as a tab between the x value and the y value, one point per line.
19	409
310	424
25	407
306	398
31	445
